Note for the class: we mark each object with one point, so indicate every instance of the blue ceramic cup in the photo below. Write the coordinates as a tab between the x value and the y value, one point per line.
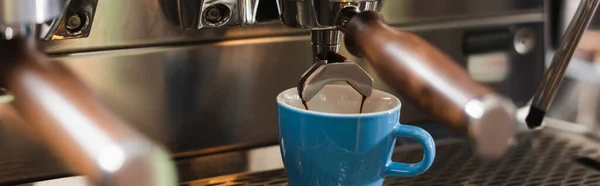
333	144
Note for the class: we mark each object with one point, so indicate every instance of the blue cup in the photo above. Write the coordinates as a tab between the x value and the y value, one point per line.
333	144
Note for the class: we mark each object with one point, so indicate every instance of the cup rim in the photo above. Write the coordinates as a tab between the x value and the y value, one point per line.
354	115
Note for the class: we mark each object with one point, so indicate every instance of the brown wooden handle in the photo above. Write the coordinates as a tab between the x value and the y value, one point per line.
414	68
74	124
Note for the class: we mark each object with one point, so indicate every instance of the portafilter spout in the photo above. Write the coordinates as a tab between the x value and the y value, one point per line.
334	68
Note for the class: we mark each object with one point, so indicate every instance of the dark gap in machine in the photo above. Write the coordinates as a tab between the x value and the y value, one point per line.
267	11
588	162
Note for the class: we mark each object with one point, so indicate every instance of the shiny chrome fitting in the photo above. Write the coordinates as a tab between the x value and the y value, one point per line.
198	14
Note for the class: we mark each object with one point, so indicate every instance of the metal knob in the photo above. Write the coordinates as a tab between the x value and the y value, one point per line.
20	12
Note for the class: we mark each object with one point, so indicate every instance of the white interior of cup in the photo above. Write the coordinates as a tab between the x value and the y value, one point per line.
340	99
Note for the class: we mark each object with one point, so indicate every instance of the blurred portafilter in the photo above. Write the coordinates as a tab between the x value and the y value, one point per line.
90	139
413	68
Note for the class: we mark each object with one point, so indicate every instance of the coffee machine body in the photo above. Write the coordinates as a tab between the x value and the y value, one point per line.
206	93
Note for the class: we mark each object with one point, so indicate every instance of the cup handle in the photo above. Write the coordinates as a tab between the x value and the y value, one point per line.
398	169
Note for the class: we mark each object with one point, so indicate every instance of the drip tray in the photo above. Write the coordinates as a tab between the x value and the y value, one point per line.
540	158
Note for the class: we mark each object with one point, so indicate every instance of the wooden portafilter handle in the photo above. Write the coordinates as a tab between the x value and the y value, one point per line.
79	129
426	76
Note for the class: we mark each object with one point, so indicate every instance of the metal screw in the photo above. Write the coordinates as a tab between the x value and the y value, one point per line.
524	40
217	14
213	15
73	22
77	23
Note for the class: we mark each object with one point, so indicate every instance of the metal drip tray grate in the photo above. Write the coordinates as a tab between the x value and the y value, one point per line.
539	159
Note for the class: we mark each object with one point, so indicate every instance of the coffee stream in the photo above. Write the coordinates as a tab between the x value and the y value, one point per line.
364	98
305	105
362	103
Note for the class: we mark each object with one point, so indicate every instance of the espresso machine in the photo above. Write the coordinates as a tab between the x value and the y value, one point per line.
72	74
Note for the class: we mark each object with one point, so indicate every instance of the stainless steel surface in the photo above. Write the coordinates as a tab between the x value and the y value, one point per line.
319	14
140	23
420	11
325	41
554	74
542	158
170	94
326	37
529	17
90	139
135	23
194	14
22	12
323	73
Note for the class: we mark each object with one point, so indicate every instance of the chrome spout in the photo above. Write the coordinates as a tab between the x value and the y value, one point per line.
325	41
